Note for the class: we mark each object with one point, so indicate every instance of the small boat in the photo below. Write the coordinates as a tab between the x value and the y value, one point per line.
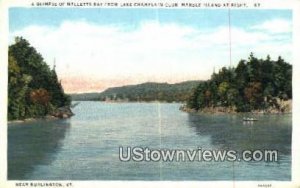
249	119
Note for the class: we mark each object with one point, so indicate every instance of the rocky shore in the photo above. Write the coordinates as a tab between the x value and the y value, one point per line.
63	112
284	107
59	113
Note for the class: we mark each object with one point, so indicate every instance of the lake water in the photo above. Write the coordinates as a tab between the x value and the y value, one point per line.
86	147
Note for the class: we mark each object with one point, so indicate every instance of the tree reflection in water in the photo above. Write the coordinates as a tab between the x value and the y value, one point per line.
33	143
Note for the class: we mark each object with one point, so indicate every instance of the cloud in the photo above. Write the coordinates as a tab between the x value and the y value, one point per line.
275	26
102	56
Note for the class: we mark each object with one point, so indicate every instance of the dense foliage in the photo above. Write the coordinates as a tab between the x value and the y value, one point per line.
255	84
33	88
150	91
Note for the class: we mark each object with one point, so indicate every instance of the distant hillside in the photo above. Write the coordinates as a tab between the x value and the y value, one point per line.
149	91
85	96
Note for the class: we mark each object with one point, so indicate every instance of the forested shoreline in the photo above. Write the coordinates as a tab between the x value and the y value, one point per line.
144	92
255	85
34	90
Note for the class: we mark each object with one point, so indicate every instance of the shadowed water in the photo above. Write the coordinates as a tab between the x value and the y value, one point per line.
86	147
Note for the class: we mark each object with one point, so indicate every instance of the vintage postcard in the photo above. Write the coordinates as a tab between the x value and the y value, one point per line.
150	93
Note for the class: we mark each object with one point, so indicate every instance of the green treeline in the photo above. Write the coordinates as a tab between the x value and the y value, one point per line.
255	84
145	92
33	88
151	91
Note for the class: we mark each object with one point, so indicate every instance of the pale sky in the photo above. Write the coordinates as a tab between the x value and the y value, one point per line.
99	48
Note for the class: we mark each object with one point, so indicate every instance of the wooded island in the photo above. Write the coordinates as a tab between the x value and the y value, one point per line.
255	85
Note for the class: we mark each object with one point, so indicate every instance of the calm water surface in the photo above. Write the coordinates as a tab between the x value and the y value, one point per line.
86	147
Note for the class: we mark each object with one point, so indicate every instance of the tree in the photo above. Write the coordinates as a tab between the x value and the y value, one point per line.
222	91
33	89
253	94
17	87
254	84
